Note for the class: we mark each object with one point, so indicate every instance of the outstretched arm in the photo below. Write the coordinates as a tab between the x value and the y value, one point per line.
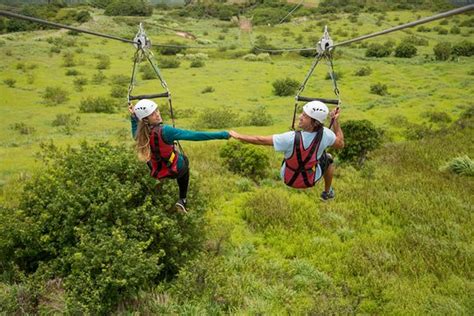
257	140
339	142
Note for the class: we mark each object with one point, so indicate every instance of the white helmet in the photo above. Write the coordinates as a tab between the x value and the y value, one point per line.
144	108
317	110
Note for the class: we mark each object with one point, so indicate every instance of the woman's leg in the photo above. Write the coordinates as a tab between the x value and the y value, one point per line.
183	184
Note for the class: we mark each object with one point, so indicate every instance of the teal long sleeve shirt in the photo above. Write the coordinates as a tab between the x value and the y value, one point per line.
171	134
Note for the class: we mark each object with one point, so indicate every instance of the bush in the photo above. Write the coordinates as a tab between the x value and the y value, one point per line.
455	30
378	50
360	137
423	29
98	77
170	62
198	63
79	83
259	117
10	82
148	72
72	72
464	48
118	91
245	159
68	60
268	16
208	89
97	105
66	123
438	117
172	48
379	89
285	87
216	118
405	50
55	95
416	40
363	71
442	51
95	219
23	128
129	7
460	165
337	75
120	80
104	62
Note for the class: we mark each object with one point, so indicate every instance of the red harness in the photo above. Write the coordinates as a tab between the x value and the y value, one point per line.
301	165
164	157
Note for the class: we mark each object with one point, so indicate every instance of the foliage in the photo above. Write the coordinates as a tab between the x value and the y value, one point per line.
103	63
216	118
379	89
405	50
259	116
363	71
55	95
79	82
10	82
198	63
22	128
245	159
442	51
118	91
97	105
148	72
337	75
262	16
360	137
464	48
98	77
168	62
262	44
207	89
460	165
94	218
416	40
285	87
72	72
172	48
66	123
438	117
129	7
378	50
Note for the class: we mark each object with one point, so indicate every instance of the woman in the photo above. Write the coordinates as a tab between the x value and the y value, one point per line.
155	145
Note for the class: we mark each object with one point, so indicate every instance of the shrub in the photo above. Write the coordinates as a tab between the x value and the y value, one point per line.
72	72
55	95
416	40
68	60
172	48
208	89
460	165
363	71
66	123
23	128
246	160
198	63
405	50
98	77
118	91
308	53
337	75
104	62
438	117
120	80
148	72
268	16
455	30
378	50
170	62
95	219
442	51
79	83
464	48
259	117
97	105
285	87
216	118
360	137
423	28
10	82
379	89
129	7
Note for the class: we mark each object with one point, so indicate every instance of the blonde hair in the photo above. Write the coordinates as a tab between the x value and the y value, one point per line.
143	140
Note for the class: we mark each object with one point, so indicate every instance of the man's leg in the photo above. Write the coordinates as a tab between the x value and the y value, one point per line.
327	167
328	175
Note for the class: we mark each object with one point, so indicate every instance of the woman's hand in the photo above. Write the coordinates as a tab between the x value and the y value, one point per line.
130	109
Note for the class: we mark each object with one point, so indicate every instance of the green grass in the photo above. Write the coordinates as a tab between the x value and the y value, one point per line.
398	237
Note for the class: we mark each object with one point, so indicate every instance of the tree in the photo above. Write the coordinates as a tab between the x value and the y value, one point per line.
129	7
442	51
405	50
360	137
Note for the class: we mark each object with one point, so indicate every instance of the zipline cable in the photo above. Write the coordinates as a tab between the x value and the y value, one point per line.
293	10
63	26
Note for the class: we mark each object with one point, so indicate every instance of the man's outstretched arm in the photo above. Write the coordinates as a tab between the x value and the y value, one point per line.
257	140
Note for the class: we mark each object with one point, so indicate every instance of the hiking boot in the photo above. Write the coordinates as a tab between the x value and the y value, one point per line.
181	206
326	196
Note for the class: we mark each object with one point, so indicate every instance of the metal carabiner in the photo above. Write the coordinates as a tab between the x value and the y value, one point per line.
141	40
325	42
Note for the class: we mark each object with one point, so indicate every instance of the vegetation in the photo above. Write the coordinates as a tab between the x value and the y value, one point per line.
246	160
285	87
97	105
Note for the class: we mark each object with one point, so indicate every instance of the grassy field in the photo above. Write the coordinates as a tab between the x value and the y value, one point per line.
397	240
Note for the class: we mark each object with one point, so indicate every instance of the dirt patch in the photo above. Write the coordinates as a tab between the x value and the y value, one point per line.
245	24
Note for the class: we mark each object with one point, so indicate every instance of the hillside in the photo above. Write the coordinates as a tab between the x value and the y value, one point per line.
396	240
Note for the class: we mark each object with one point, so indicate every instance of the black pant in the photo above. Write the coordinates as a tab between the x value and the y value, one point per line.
183	179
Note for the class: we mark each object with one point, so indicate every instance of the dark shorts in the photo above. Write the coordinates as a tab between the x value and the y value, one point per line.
324	161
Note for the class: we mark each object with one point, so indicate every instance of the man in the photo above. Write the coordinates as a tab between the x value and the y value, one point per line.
306	148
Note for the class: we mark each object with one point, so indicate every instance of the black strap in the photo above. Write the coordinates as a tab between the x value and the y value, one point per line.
301	164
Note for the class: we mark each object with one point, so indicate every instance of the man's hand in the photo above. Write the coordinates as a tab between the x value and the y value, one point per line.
334	114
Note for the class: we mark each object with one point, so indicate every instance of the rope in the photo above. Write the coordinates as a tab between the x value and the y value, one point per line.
58	25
